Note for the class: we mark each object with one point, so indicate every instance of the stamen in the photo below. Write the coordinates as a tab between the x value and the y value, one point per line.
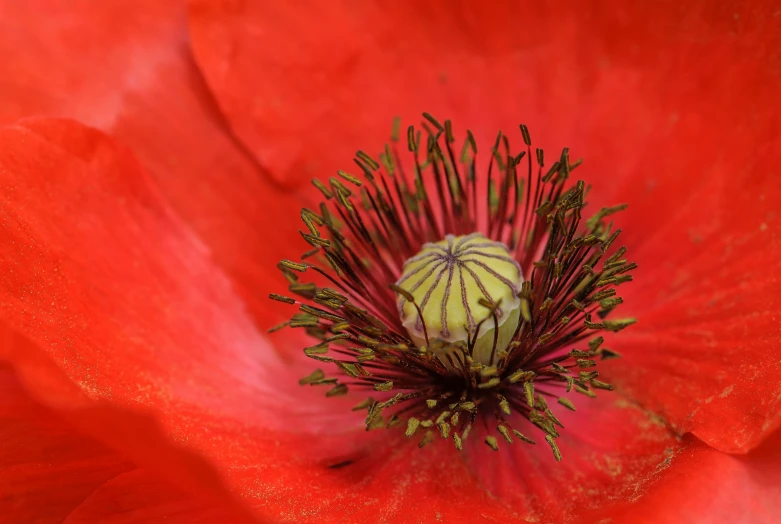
446	309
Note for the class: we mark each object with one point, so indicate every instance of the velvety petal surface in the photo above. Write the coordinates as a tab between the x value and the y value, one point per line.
50	473
674	106
46	470
612	450
124	308
746	490
139	497
125	67
705	354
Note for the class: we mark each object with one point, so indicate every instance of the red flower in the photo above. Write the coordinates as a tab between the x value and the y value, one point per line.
134	283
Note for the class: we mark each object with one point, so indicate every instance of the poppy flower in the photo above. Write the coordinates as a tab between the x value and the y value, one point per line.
154	159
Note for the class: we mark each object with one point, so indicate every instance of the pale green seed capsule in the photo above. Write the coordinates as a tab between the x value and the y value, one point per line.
451	281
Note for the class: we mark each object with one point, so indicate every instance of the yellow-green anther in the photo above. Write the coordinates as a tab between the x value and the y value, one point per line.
492	443
450	282
412	426
554	447
457	441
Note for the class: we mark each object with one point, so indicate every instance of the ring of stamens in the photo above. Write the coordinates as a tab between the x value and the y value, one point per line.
433	384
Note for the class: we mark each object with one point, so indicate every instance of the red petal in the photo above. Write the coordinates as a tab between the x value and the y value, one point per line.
345	71
612	451
92	249
124	67
123	303
705	354
46	470
600	82
49	473
674	106
138	497
704	485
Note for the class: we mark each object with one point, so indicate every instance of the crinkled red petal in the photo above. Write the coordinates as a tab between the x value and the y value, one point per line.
705	353
125	311
704	485
50	473
125	67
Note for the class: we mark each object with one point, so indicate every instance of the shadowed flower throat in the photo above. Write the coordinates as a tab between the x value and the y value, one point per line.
458	299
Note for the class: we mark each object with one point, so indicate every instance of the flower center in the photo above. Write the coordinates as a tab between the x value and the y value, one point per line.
449	294
454	283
